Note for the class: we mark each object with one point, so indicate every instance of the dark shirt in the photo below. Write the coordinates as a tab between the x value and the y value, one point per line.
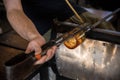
50	6
42	12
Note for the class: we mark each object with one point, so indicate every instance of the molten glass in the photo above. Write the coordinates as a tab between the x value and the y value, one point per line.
75	41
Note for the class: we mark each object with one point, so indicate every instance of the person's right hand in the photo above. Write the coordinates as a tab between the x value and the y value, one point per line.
35	45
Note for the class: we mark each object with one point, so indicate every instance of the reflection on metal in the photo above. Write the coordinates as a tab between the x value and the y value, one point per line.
92	60
101	13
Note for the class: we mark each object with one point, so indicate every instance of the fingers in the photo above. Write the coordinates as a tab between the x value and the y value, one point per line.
32	46
48	56
38	50
28	50
41	60
50	53
35	46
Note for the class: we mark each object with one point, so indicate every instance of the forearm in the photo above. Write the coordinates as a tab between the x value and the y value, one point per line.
22	25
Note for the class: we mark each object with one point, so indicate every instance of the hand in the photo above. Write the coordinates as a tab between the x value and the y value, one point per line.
35	45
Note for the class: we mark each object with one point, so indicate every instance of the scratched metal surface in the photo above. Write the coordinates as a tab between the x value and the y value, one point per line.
92	60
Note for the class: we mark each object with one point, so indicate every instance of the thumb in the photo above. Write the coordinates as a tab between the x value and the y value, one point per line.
38	50
28	50
38	53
